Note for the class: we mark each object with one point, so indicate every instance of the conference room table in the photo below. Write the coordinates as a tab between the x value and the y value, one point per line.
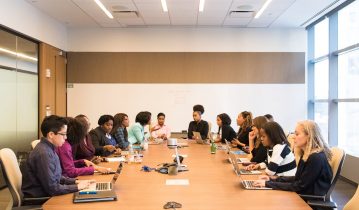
213	184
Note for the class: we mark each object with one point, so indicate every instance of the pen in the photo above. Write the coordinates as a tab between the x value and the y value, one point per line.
87	192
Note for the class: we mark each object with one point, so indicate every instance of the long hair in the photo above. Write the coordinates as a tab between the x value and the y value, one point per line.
76	130
118	119
247	116
275	133
315	141
258	122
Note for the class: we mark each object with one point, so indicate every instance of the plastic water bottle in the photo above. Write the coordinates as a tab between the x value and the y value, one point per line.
213	147
130	149
145	144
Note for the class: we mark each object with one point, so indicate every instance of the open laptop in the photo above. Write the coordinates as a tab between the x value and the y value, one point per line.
249	185
239	171
198	138
104	186
239	160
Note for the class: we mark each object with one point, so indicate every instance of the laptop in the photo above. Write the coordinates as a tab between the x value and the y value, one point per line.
249	185
95	197
199	139
239	171
104	186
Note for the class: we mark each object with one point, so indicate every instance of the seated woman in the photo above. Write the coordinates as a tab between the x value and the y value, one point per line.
119	130
244	120
257	149
225	131
314	174
102	140
136	133
85	149
70	168
161	130
198	125
280	159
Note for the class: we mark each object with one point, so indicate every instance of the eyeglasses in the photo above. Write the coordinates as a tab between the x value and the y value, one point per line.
62	134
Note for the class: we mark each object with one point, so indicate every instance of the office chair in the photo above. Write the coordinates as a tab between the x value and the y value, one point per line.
13	179
324	202
353	203
34	143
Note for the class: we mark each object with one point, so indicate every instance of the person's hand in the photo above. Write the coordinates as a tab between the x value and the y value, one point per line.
264	177
103	170
252	167
88	163
252	135
109	148
118	151
259	183
83	185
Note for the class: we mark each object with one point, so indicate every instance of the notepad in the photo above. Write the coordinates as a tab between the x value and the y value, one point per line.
177	182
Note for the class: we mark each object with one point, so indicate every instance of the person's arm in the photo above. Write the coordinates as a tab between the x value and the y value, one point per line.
96	142
204	130
68	164
190	131
121	140
139	135
307	178
49	176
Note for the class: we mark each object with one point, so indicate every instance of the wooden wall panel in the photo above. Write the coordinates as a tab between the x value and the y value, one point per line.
186	67
52	90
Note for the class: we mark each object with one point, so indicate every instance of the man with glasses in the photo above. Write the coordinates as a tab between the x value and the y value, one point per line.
42	173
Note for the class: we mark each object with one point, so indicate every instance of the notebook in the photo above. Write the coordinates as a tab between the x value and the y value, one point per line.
99	196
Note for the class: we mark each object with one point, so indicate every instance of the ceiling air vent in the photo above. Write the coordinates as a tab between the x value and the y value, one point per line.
241	14
125	14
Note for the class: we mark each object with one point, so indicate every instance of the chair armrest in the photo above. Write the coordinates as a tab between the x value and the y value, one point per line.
312	197
322	204
34	201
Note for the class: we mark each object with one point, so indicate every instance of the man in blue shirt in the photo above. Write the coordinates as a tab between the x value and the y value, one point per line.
42	173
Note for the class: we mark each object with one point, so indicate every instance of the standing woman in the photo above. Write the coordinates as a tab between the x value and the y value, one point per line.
225	131
70	168
198	125
102	140
244	120
280	159
85	149
256	147
314	174
136	133
119	131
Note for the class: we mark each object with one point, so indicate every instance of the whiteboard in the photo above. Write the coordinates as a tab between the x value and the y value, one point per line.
286	102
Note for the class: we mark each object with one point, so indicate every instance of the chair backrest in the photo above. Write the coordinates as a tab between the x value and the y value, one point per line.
12	174
336	163
34	143
353	204
209	130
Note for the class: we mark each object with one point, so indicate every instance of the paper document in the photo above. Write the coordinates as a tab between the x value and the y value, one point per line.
115	159
177	182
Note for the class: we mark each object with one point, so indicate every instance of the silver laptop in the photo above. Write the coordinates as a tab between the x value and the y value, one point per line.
199	139
239	171
249	185
104	186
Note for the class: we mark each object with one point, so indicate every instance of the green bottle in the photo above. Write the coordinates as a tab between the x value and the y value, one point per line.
213	147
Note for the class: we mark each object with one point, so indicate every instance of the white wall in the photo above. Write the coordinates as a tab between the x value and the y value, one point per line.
187	40
19	15
177	100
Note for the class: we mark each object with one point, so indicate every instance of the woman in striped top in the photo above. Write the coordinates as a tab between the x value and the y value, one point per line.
280	159
314	174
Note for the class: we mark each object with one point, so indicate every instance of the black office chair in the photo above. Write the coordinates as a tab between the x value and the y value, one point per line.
13	179
325	202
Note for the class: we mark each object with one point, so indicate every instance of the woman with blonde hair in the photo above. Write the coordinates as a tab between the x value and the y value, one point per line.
314	175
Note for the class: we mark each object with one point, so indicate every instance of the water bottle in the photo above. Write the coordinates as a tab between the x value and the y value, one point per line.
130	149
213	147
145	144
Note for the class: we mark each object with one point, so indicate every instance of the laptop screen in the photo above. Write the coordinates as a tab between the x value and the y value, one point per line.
118	171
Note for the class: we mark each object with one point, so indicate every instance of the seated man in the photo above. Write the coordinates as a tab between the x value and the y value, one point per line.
160	130
42	172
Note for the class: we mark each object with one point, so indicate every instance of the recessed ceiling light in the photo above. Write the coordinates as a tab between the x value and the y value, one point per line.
265	5
201	5
164	5
108	13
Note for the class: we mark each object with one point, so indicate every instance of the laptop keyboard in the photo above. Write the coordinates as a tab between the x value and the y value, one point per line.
248	183
103	186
